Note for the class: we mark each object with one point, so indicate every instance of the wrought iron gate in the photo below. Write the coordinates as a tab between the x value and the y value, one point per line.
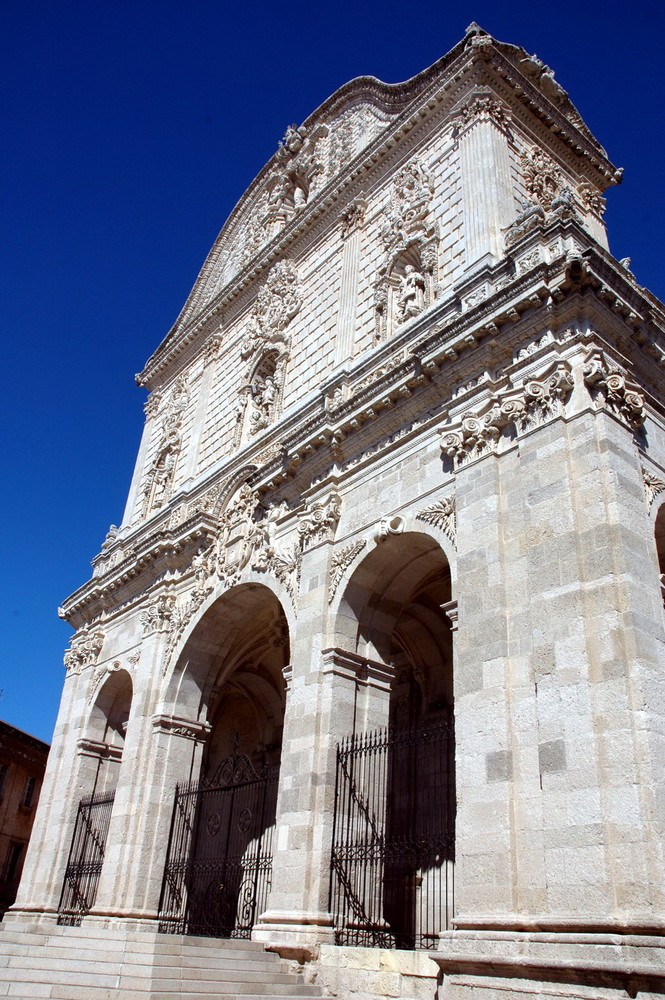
393	838
219	864
86	857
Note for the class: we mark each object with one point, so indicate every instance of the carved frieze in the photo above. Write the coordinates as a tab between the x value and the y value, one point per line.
442	515
653	486
610	386
84	649
341	560
320	521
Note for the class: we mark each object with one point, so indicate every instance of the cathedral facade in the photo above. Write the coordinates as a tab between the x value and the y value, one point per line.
371	673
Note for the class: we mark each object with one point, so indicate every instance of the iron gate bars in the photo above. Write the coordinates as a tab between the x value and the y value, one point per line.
86	857
219	863
392	856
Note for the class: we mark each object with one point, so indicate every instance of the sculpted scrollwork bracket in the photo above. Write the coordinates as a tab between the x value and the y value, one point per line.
610	386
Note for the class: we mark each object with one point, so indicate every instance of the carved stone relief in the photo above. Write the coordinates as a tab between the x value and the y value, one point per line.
477	432
84	649
542	177
341	560
320	521
442	515
653	486
158	484
610	386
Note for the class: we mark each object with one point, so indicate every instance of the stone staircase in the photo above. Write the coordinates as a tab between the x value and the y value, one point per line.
80	963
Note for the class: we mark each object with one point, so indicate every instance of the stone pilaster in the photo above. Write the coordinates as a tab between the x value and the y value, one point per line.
487	186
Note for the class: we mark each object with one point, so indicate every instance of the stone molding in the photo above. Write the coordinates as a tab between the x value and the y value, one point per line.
189	729
357	668
96	748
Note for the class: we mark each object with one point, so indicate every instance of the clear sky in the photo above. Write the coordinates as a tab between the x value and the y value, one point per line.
130	129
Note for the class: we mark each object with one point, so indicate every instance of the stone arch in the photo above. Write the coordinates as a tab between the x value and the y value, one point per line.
106	727
228	689
395	620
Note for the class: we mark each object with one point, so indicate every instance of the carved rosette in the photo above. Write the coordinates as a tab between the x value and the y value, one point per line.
610	386
653	486
319	522
476	433
341	560
442	515
84	649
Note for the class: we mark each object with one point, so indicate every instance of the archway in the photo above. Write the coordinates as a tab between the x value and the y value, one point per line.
101	751
232	670
396	784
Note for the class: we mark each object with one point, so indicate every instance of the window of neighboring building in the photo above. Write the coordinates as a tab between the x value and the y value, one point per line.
12	861
4	768
29	792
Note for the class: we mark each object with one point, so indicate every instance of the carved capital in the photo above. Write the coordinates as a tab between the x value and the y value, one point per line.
353	217
84	649
319	522
610	386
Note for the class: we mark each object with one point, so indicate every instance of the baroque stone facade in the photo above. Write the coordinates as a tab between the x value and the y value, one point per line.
393	554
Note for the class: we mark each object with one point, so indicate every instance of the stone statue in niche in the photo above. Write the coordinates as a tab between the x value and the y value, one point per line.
411	293
263	394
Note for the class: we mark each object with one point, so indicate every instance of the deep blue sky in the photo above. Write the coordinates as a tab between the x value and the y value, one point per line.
130	129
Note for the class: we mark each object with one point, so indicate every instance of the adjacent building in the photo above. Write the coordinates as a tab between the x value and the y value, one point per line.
372	671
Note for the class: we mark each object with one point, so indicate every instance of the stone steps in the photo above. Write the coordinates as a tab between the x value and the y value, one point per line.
91	963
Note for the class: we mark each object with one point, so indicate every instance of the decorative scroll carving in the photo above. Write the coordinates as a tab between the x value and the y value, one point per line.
341	560
320	521
276	304
100	674
84	649
407	217
591	198
442	515
159	480
353	217
529	218
538	400
389	526
542	178
159	616
484	107
652	486
621	396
